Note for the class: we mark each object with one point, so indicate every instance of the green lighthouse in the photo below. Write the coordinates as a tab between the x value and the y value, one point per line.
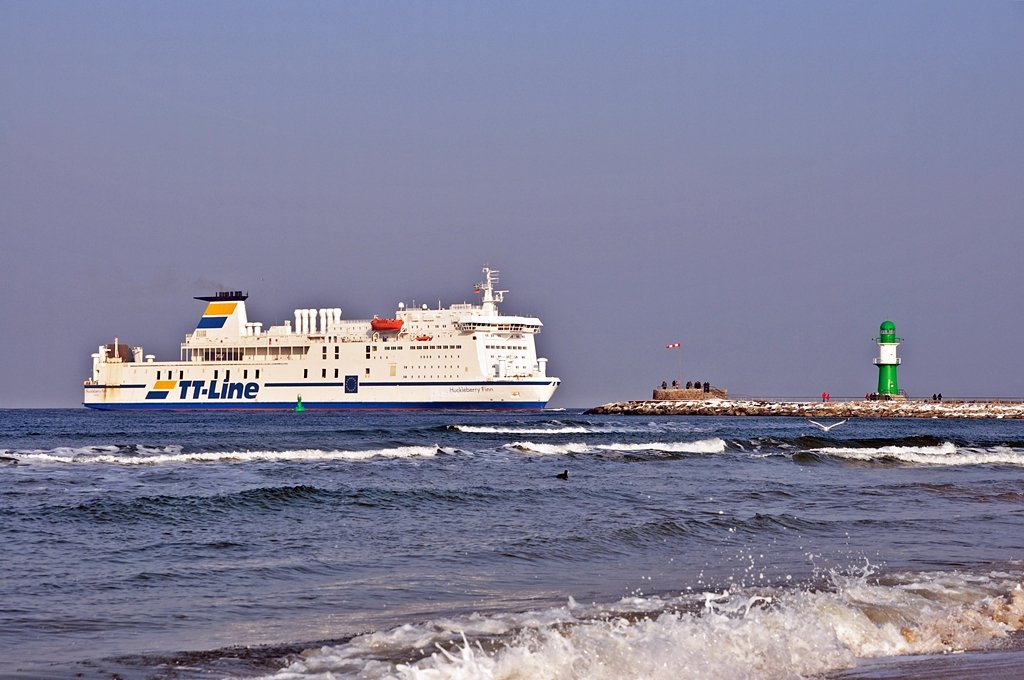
887	360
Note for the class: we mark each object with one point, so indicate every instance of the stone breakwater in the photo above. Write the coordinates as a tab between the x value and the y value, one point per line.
810	409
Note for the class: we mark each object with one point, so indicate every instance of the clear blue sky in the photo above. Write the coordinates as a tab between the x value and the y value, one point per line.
764	182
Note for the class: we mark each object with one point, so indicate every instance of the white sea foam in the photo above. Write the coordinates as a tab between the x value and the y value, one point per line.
557	428
713	445
550	449
90	456
487	429
749	634
944	454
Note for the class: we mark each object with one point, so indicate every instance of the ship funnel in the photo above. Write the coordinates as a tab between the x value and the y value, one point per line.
224	316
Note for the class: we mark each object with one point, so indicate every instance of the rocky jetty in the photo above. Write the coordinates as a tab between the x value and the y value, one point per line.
676	394
810	409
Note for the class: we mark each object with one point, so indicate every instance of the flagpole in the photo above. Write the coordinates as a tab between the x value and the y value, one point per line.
679	346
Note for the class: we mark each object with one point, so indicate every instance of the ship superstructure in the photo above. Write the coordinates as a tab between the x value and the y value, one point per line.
465	356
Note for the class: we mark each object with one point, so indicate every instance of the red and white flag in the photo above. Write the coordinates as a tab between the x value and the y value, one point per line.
673	345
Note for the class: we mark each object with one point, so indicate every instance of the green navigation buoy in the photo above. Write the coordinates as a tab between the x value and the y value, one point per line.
299	408
887	360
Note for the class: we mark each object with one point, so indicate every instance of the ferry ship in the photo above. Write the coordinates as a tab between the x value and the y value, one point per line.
465	356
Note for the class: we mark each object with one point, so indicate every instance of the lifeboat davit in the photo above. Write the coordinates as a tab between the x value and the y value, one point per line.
386	325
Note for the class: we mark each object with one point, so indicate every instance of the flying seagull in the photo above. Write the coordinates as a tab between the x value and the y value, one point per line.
826	428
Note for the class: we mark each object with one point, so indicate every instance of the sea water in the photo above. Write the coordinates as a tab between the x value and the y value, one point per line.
445	545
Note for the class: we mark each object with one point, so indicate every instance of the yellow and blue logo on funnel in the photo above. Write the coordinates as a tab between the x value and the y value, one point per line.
217	314
161	388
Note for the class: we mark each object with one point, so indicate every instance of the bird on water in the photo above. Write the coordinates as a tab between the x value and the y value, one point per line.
564	474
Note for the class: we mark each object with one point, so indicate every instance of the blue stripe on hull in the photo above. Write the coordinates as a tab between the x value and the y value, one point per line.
448	383
326	405
115	387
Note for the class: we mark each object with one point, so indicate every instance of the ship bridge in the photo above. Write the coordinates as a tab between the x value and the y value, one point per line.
511	325
486	318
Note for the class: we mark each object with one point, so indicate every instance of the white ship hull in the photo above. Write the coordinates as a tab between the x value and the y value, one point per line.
328	395
462	357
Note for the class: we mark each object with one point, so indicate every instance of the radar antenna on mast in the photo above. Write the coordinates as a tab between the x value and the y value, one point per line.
491	296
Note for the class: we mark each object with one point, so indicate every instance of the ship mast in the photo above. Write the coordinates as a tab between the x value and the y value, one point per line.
491	297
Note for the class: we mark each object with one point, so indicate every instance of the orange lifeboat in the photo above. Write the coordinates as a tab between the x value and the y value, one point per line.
424	338
386	325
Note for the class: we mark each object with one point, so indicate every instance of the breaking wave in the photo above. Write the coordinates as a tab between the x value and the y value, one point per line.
556	427
713	445
752	633
114	455
946	453
489	429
